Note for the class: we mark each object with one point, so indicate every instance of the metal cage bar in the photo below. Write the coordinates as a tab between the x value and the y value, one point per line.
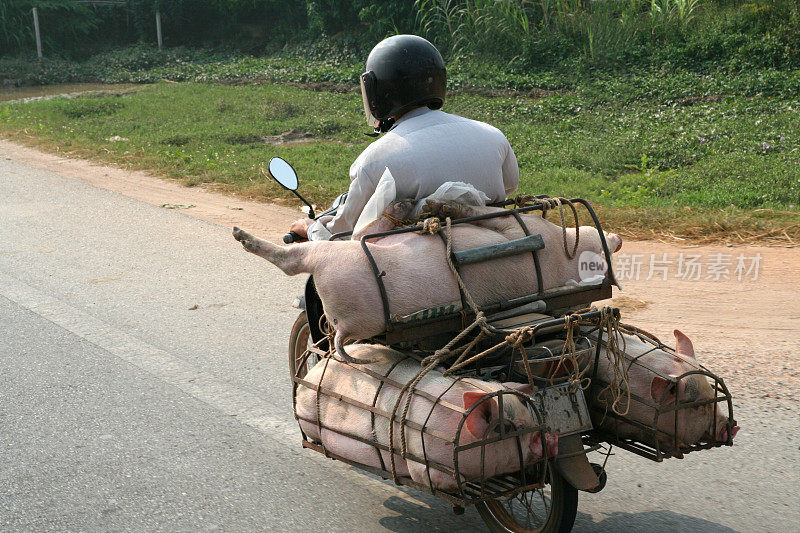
470	488
659	443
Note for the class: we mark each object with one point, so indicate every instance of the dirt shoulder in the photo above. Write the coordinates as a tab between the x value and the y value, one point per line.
747	330
268	220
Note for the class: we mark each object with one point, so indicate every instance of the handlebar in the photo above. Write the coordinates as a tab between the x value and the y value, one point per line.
291	237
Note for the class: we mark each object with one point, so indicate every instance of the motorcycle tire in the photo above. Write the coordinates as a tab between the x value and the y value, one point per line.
299	340
502	516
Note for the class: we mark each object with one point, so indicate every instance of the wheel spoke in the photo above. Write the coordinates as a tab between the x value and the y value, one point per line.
526	512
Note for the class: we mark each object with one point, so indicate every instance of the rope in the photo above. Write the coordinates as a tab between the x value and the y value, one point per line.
628	328
408	389
467	295
552	203
517	340
522	200
569	354
399	222
618	386
431	226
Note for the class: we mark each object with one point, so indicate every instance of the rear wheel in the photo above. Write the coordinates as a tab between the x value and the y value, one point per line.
550	509
299	342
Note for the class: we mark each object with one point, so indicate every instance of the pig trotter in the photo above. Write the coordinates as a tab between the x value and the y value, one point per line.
444	209
247	240
339	343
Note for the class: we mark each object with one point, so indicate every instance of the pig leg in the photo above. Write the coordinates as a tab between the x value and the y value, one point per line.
291	259
439	479
338	341
396	211
506	225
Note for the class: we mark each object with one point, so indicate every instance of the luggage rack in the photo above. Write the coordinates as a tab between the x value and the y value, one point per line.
446	319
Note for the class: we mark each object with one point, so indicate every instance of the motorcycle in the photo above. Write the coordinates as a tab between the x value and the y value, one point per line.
506	504
552	507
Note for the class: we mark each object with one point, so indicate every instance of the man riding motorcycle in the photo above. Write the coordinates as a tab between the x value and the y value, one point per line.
403	90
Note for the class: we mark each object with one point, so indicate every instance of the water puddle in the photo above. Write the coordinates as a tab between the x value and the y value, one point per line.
40	92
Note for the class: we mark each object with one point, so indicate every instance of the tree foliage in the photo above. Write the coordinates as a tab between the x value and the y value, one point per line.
516	33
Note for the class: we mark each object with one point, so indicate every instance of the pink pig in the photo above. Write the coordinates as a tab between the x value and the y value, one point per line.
553	235
417	275
501	457
695	424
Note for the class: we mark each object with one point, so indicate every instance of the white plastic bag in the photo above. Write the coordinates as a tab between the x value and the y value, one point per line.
318	231
384	195
453	191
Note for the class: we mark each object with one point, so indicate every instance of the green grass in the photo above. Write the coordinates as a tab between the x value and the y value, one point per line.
703	168
662	83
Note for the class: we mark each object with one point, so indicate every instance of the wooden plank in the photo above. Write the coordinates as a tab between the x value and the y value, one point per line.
496	251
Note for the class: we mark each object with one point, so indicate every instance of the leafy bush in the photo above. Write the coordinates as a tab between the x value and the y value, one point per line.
534	34
60	22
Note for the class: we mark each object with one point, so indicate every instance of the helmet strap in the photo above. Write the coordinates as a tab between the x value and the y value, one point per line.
384	125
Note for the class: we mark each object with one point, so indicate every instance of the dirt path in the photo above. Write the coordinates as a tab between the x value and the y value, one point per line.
747	330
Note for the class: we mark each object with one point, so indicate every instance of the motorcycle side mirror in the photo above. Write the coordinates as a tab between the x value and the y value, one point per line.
283	173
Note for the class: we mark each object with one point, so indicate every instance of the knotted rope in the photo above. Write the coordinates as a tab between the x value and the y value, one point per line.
517	340
522	200
569	355
618	387
433	225
552	203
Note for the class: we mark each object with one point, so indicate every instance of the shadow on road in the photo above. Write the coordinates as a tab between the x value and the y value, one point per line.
647	521
421	512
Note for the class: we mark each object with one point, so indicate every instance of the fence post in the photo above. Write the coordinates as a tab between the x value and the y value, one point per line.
158	29
38	35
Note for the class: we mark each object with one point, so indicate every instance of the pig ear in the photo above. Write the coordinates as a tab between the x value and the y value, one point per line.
478	420
524	388
658	387
683	344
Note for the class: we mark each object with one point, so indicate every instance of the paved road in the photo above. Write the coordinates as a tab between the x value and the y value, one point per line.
125	408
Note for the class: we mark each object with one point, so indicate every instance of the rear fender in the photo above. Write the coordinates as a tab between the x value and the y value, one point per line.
576	468
314	310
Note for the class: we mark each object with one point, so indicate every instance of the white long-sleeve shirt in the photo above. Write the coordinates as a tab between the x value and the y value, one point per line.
425	149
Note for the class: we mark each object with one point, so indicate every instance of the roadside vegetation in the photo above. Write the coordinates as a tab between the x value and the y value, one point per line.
678	118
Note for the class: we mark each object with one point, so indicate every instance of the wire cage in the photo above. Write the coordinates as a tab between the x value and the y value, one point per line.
453	318
417	449
691	410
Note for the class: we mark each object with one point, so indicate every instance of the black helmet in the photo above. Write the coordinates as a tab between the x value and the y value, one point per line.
402	72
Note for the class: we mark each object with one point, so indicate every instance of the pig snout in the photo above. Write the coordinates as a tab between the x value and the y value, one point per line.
614	242
551	446
722	432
